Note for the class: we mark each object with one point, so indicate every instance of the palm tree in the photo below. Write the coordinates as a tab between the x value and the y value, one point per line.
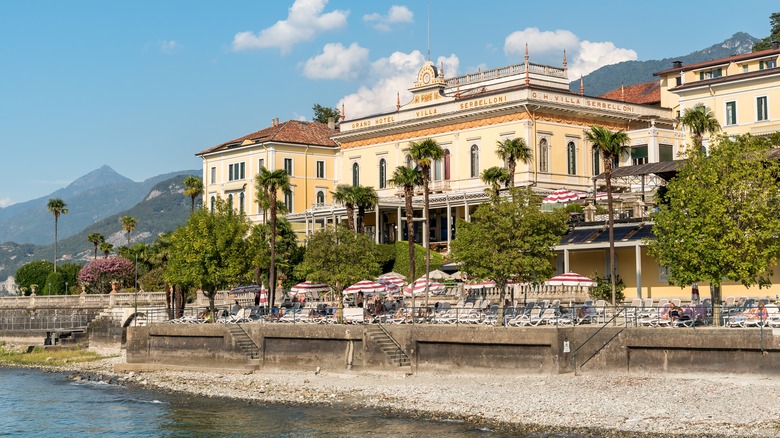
408	178
511	151
365	197
128	225
425	152
610	145
272	182
57	207
700	120
194	188
495	176
106	248
345	194
96	239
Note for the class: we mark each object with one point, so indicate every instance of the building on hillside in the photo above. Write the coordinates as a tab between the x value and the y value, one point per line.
303	149
742	91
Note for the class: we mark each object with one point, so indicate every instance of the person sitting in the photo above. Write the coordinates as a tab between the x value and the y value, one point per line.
675	312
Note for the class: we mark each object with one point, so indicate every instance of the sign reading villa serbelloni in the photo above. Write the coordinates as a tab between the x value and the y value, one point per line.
448	105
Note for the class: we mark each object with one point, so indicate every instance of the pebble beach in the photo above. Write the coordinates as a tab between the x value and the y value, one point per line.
593	405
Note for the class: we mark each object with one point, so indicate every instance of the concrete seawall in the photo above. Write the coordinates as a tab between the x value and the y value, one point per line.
462	348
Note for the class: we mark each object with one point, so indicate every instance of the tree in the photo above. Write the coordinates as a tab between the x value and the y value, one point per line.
722	218
57	207
700	120
106	248
194	188
610	145
345	195
424	153
55	284
365	198
210	251
288	253
98	275
509	239
495	176
128	225
322	114
34	272
96	239
339	257
511	151
273	182
408	178
766	43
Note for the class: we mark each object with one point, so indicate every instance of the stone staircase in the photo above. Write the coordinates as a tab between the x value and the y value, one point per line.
244	343
389	346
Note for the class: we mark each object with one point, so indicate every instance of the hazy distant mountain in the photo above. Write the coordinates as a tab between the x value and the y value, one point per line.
90	198
610	77
162	210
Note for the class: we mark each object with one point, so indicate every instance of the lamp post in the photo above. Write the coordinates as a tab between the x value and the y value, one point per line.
135	287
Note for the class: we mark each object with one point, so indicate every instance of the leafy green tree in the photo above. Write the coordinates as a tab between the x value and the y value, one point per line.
106	248
55	284
288	253
402	264
425	153
210	251
272	183
611	146
509	239
766	43
96	239
511	151
34	272
339	258
700	120
365	198
495	176
408	178
323	113
128	225
57	207
345	195
193	188
722	218
70	273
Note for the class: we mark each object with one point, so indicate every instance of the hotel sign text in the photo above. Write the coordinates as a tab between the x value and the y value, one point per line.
582	102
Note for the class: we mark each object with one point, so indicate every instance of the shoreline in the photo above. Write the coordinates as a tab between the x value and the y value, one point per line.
591	405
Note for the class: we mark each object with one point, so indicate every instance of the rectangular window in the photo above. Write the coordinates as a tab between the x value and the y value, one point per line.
665	152
712	74
230	172
260	164
320	169
213	175
288	166
761	109
731	113
288	201
242	172
772	63
639	155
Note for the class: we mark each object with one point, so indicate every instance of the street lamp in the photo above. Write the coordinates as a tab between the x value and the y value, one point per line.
135	319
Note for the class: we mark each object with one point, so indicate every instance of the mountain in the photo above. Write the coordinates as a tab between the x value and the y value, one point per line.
162	210
610	77
90	198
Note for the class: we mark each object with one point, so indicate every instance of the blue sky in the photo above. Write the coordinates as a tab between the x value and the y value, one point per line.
143	85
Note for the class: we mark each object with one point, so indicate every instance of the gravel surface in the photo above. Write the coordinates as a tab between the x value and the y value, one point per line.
616	404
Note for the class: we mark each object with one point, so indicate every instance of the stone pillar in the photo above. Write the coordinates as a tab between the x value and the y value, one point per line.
639	209
590	213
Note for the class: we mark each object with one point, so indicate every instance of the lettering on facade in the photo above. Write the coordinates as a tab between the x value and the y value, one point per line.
583	102
384	120
426	97
425	112
363	124
482	102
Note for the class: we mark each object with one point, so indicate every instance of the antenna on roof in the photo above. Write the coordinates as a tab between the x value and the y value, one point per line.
429	30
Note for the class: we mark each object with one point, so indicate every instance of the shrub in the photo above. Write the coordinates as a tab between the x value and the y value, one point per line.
603	289
55	284
34	272
402	264
99	274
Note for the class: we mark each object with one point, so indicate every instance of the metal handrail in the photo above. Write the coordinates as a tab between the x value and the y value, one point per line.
392	339
606	323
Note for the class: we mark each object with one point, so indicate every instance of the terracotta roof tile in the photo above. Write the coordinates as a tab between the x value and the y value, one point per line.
728	59
647	93
291	131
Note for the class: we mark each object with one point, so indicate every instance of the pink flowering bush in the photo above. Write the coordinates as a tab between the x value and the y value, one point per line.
99	274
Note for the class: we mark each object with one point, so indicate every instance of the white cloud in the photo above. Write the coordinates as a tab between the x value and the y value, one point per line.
546	47
168	47
5	202
395	15
304	21
337	62
394	76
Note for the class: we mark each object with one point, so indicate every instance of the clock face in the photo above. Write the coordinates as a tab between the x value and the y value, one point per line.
426	78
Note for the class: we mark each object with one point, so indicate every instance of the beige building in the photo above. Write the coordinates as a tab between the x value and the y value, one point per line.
303	149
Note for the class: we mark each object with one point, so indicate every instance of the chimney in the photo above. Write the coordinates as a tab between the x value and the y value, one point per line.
677	64
331	123
273	122
775	45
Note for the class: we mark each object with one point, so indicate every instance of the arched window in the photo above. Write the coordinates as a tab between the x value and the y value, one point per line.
596	162
320	197
355	174
382	174
544	156
447	164
474	161
288	201
230	202
437	170
213	204
571	155
241	202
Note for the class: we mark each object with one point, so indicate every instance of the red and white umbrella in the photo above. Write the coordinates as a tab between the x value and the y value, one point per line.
367	287
571	279
395	281
418	287
561	196
308	286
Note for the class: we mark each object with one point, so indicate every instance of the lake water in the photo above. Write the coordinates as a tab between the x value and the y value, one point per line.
38	404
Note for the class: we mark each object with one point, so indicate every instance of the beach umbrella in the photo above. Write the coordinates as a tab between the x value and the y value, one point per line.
437	274
367	287
418	287
308	286
571	279
561	196
394	281
457	275
390	275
